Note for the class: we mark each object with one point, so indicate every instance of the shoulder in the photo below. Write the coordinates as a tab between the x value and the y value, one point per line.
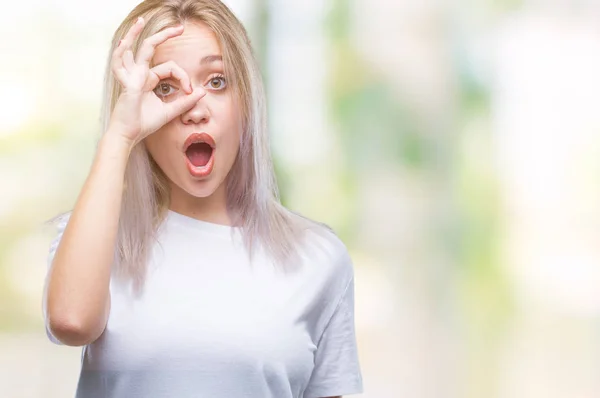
329	276
324	252
330	257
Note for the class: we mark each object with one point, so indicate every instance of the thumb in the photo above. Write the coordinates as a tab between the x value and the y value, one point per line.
184	103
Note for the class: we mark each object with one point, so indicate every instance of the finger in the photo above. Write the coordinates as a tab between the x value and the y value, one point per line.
146	51
168	70
127	41
182	104
128	60
121	75
116	63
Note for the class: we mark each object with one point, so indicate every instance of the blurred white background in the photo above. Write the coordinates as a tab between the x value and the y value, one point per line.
453	146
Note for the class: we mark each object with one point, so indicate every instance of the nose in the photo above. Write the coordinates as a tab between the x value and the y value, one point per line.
199	113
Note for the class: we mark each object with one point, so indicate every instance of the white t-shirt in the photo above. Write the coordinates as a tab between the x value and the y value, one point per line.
211	325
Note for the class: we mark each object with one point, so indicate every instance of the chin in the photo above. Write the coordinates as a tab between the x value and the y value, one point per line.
199	188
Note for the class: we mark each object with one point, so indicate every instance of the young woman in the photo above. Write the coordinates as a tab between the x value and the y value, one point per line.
178	270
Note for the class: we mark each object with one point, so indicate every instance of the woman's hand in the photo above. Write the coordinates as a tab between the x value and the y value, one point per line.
139	111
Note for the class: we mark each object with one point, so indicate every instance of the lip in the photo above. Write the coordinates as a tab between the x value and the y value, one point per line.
199	137
203	171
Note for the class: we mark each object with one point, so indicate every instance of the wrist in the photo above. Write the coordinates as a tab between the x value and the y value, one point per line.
115	143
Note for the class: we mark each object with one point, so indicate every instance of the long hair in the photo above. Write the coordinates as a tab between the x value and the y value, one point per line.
251	188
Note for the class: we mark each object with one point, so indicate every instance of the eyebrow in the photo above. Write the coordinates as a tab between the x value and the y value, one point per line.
209	59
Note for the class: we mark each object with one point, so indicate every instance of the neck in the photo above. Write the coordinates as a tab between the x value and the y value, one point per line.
211	209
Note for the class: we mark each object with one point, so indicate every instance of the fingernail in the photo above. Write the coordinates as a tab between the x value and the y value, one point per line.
140	19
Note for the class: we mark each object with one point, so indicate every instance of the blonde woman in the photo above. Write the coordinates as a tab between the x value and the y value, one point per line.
178	271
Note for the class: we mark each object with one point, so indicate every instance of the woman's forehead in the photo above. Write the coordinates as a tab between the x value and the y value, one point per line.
197	45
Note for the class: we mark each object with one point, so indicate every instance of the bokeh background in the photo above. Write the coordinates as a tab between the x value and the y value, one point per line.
453	146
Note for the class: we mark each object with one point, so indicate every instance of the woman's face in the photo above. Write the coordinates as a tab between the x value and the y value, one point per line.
196	170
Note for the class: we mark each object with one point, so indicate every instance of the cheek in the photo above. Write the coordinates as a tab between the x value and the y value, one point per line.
235	134
152	147
232	127
155	144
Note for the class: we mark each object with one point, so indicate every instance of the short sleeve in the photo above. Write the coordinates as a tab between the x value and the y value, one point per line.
61	225
337	369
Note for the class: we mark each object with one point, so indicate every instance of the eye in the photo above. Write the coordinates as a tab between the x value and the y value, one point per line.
162	90
217	83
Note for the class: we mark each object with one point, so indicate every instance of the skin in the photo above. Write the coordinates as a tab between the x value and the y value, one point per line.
216	113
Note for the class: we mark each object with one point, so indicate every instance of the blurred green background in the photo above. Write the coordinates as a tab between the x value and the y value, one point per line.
453	146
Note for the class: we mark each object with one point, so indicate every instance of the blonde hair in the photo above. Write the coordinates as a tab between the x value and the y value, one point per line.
252	194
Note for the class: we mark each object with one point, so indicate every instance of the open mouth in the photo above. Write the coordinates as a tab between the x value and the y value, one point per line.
199	154
199	149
